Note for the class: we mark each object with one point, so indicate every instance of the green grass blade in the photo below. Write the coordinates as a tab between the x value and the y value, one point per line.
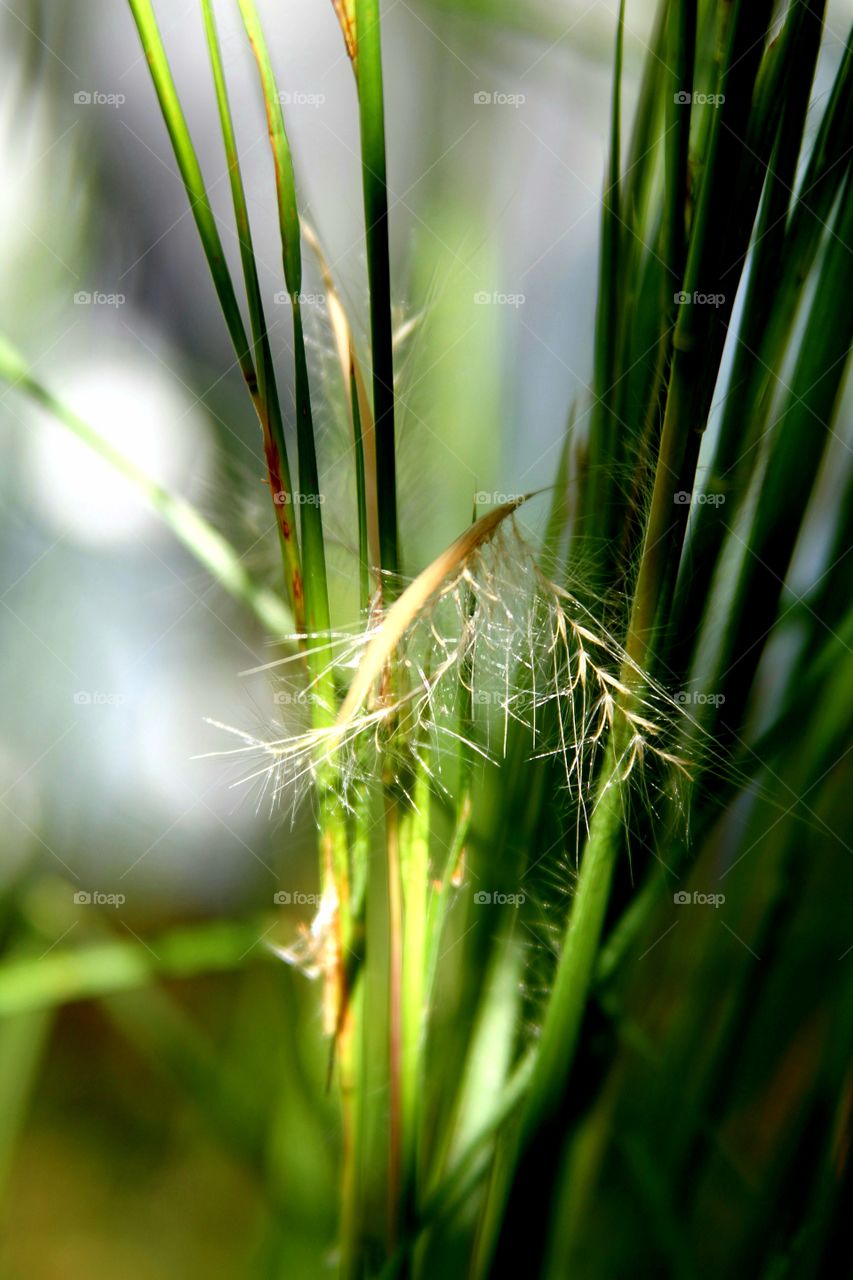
561	502
199	537
576	966
683	53
360	495
659	274
414	876
640	169
170	105
797	446
819	185
360	418
604	448
334	841
313	550
768	315
701	329
269	406
368	66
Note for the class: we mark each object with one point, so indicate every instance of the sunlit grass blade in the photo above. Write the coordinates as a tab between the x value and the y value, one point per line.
199	537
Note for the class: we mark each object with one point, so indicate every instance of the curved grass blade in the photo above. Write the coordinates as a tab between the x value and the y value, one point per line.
416	596
200	538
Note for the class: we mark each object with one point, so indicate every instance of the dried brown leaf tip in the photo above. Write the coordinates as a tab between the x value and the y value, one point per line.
345	9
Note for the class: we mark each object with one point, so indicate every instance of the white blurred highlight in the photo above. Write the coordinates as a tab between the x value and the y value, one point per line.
151	421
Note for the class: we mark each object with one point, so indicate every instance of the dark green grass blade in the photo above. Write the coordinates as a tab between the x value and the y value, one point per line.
640	162
683	53
784	255
797	444
700	328
368	66
648	350
767	318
